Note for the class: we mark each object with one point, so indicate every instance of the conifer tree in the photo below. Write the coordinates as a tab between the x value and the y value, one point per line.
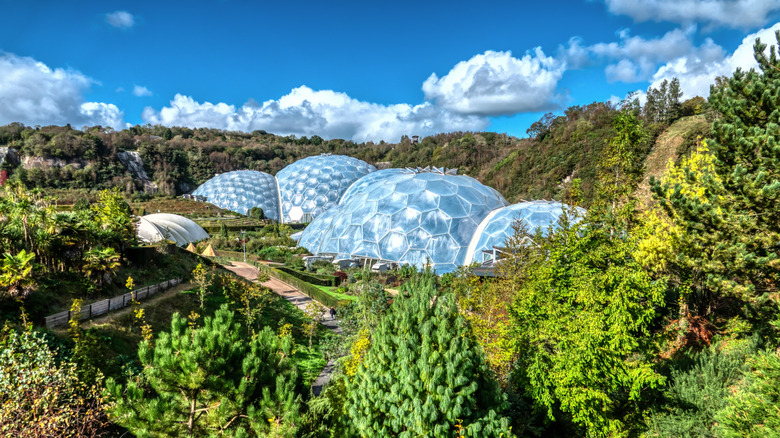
733	211
424	375
210	380
754	411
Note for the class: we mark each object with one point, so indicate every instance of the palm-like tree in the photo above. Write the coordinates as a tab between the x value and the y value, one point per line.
100	261
16	273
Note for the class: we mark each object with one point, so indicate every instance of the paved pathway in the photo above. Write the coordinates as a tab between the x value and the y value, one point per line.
299	300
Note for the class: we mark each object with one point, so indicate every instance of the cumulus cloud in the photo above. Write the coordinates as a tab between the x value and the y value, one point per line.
496	83
34	94
698	69
632	58
120	19
722	13
308	112
141	91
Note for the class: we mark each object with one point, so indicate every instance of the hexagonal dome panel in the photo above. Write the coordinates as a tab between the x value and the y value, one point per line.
363	183
497	226
405	216
313	185
242	190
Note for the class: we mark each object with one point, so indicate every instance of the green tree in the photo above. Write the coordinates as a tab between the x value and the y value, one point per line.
581	311
99	262
211	380
114	217
732	211
424	375
698	388
16	273
754	411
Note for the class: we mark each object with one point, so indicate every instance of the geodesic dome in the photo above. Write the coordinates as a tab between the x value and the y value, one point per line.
497	227
163	226
312	185
363	183
414	217
241	190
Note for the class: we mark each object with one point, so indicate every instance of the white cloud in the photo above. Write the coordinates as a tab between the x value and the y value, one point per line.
120	19
722	13
633	58
141	91
698	70
34	94
495	83
326	113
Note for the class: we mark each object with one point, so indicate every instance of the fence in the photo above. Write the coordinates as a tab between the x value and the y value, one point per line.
307	289
104	306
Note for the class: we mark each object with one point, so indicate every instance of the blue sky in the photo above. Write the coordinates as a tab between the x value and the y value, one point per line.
358	70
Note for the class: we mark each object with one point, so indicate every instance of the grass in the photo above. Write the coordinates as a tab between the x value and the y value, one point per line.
332	292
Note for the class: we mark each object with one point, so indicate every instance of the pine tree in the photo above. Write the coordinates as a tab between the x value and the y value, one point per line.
210	380
733	212
424	375
754	411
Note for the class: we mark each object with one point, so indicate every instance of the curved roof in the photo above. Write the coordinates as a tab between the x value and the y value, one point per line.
242	190
498	225
315	184
163	226
363	183
414	217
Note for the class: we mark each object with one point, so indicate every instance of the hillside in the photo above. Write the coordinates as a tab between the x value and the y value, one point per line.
155	160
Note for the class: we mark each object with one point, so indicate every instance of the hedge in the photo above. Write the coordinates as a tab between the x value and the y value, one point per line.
319	280
313	292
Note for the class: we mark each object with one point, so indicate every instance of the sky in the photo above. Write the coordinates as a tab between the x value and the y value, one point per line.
363	71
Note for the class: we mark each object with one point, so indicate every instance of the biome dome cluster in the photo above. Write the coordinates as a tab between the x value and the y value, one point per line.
422	217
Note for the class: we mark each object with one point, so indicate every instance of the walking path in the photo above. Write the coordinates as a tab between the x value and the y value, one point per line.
299	300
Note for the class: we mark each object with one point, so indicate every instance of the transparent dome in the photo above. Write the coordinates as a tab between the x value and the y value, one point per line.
163	226
360	185
313	185
242	190
412	217
497	226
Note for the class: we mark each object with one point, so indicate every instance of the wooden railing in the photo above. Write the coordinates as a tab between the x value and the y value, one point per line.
104	306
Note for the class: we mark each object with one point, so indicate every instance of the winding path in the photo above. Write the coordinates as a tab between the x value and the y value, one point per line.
299	300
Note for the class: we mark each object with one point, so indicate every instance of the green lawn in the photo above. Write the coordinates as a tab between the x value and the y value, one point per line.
332	292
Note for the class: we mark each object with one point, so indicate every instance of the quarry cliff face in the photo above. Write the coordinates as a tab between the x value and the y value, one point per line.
133	162
29	162
9	156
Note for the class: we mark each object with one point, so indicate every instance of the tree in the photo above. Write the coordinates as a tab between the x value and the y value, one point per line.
99	262
730	210
16	273
113	215
753	410
581	310
210	380
424	375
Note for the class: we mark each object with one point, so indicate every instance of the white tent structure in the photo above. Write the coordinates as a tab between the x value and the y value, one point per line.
163	226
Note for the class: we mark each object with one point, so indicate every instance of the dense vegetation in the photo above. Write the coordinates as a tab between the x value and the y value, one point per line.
660	321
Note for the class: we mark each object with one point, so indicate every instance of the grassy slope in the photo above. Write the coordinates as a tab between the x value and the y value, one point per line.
675	141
